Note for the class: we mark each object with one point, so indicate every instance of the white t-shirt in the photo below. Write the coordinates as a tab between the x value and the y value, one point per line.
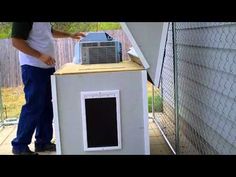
40	38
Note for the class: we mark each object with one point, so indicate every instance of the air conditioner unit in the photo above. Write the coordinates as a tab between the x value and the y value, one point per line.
98	48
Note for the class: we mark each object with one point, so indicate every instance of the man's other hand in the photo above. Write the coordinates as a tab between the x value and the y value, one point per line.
77	35
47	59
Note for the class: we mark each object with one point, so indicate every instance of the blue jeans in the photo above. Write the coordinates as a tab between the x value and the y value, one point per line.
37	113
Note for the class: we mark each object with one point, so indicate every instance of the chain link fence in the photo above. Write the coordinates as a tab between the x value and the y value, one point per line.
203	100
166	117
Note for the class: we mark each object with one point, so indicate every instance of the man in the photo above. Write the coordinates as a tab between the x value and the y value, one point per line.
34	40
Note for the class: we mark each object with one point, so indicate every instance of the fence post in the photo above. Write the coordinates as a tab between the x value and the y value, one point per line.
175	65
1	104
153	102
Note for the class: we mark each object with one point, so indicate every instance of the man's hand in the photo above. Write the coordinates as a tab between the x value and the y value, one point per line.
60	34
47	59
77	35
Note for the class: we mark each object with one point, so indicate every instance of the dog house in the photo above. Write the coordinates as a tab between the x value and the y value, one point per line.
103	108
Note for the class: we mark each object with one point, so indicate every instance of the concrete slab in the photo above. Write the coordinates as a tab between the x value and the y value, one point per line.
158	146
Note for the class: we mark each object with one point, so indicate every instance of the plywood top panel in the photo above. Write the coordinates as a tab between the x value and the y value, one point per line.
71	68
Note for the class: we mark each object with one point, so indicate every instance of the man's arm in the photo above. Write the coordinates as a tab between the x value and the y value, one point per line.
19	35
23	46
60	34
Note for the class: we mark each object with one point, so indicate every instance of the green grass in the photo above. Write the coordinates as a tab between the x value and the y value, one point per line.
12	99
158	104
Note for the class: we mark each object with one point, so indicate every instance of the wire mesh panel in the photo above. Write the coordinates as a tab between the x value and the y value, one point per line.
166	116
206	59
205	85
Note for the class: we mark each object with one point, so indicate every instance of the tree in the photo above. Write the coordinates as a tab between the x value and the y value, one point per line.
85	26
5	27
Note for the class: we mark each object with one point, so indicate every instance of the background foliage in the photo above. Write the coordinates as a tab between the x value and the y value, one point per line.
5	27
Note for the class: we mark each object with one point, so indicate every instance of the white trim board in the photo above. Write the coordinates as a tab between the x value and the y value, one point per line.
55	113
100	94
145	114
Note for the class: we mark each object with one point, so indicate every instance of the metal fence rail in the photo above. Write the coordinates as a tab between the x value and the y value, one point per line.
1	105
